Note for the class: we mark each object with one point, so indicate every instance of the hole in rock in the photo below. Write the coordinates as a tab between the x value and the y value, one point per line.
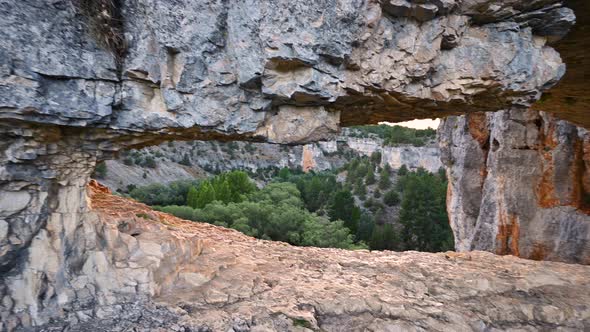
379	187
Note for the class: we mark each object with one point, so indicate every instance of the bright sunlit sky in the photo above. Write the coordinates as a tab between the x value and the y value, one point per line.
418	124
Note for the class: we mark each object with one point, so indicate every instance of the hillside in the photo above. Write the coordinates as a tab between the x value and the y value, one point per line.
198	159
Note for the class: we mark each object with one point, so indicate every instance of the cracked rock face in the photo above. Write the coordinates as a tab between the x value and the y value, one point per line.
140	269
193	67
519	184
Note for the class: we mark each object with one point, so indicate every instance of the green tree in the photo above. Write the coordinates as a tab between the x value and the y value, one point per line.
365	228
359	189
284	174
423	215
402	170
205	195
192	197
370	179
384	179
223	192
343	208
376	157
384	237
100	172
391	198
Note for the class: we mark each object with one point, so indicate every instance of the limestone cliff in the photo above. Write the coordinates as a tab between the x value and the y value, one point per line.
519	184
199	159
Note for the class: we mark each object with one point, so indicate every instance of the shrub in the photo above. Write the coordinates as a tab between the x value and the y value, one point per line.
150	162
391	198
100	171
182	212
128	161
186	161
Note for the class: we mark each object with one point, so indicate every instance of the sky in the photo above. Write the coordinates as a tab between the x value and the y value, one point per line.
418	124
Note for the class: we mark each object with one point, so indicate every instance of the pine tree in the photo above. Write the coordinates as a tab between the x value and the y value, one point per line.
360	190
342	208
423	216
376	157
185	160
384	179
391	198
402	171
370	179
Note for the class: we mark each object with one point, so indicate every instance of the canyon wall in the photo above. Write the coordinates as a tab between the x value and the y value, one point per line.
519	184
199	159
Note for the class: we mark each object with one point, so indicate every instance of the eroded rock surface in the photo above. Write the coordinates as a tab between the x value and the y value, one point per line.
136	268
282	71
519	184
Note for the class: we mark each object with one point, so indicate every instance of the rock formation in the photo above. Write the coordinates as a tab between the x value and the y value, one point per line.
519	184
81	80
135	268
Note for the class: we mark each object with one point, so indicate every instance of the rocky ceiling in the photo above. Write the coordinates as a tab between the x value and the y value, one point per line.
570	98
280	71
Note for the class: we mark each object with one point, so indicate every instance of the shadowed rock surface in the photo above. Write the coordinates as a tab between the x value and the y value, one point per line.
277	70
185	276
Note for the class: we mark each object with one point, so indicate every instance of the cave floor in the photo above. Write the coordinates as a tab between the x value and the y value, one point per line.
233	281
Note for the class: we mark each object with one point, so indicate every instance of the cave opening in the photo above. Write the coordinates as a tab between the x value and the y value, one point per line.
378	187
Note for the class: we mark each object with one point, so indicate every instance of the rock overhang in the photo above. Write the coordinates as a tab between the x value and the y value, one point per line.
256	71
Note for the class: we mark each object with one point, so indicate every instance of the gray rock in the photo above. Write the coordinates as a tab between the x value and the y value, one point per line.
518	185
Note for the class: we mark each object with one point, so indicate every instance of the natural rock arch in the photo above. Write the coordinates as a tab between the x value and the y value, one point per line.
277	71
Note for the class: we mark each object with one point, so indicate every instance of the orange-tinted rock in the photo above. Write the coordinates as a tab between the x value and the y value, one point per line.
508	236
531	198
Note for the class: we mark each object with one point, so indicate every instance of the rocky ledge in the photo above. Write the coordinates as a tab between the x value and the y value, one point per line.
148	270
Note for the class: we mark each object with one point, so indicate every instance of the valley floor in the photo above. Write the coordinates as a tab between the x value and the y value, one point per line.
208	278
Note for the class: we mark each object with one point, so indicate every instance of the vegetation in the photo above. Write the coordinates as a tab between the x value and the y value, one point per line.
275	212
423	216
100	172
360	205
391	198
395	135
174	193
314	209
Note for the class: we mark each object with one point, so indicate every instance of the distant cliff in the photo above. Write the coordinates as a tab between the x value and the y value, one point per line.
181	160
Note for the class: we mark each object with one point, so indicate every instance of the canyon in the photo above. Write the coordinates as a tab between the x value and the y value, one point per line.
122	75
200	159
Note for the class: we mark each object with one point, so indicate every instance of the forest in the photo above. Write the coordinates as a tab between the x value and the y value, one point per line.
319	209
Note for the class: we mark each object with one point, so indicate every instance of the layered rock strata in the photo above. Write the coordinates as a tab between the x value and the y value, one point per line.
274	70
519	184
139	269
